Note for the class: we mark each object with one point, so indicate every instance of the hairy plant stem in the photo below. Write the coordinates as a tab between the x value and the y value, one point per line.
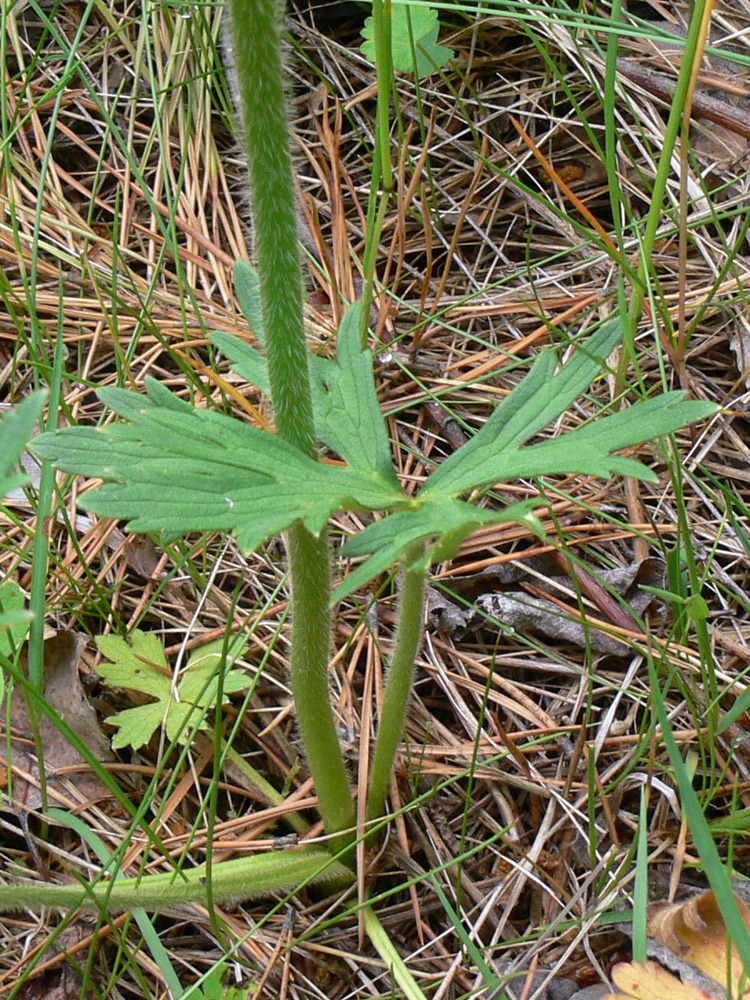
235	880
311	644
257	29
398	687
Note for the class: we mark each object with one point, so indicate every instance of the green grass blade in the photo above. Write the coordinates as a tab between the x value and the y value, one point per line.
716	872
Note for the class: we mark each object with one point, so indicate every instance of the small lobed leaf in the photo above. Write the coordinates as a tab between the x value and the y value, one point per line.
200	680
136	726
414	40
141	665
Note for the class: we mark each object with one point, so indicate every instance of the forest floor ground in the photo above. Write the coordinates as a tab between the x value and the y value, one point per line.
532	751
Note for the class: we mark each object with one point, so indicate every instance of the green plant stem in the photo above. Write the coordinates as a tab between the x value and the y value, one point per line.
398	688
235	880
311	639
257	28
616	197
40	564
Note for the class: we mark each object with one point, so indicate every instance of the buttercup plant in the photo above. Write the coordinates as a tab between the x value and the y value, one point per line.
174	468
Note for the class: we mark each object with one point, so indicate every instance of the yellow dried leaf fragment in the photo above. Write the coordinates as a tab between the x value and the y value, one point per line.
650	981
695	931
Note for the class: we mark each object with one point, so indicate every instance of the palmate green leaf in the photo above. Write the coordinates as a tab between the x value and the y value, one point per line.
199	683
496	455
142	666
346	411
16	428
541	397
179	469
587	450
441	522
346	407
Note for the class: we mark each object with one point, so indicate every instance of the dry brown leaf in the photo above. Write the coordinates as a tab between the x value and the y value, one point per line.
64	692
695	931
650	981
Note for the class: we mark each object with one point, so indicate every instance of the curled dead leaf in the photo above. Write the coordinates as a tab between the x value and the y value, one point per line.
695	932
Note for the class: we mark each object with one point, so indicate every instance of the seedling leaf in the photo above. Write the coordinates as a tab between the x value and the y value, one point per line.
414	44
141	666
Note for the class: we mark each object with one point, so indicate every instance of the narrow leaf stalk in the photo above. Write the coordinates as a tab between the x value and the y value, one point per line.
382	167
674	123
384	946
263	787
398	688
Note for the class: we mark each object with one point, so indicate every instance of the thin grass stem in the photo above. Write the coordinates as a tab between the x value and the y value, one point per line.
662	176
382	174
